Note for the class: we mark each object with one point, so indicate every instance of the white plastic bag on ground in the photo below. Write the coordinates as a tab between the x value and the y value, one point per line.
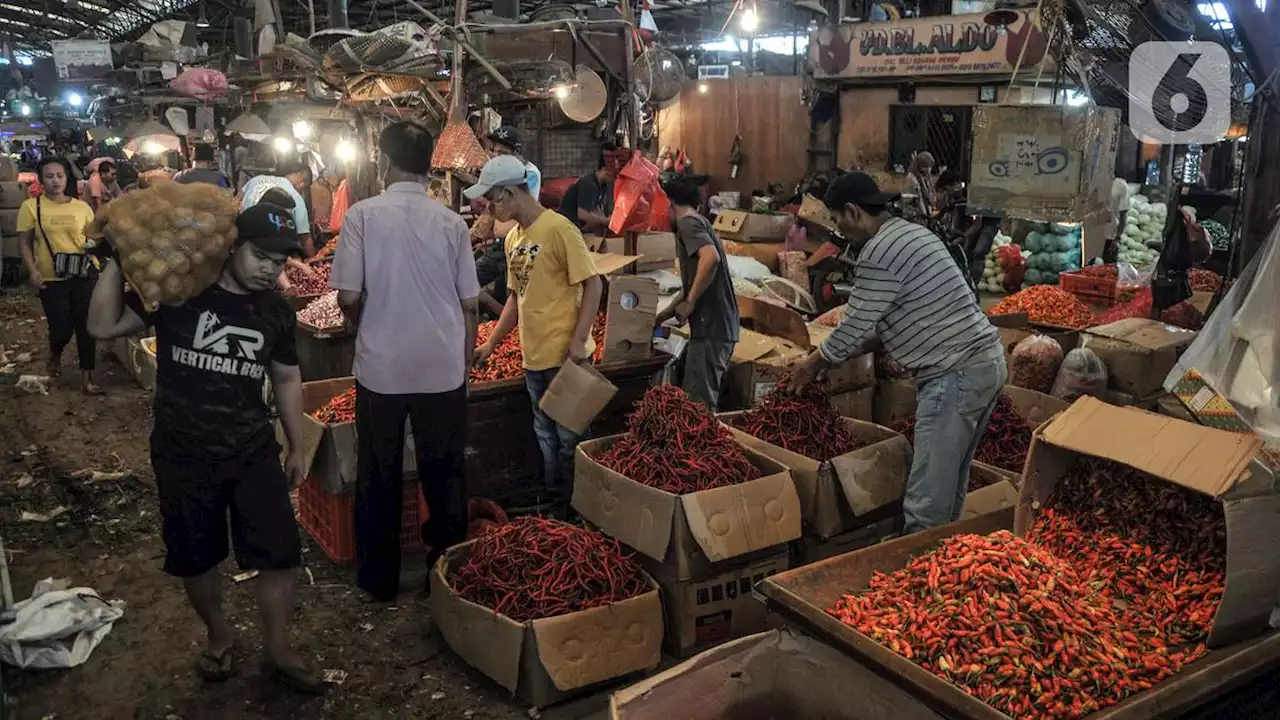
1235	351
57	628
1082	373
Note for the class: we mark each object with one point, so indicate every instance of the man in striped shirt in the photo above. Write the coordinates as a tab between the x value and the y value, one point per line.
909	291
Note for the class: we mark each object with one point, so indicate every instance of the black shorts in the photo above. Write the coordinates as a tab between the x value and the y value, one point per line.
195	498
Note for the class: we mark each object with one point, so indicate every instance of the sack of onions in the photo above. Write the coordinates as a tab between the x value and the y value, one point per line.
173	239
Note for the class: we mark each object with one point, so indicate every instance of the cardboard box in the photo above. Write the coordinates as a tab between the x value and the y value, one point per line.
993	498
1215	463
1035	408
1211	408
1138	352
842	493
895	401
743	226
655	250
772	338
857	404
816	211
628	326
689	534
8	222
703	613
546	661
1043	162
811	549
331	449
577	394
778	674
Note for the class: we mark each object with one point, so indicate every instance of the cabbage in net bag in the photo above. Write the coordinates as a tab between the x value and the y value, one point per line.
1034	363
173	239
1082	373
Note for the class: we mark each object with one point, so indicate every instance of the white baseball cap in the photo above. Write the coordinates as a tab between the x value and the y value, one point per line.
501	171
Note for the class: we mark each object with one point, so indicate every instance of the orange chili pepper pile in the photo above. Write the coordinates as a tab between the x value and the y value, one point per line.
532	568
507	360
326	251
1113	590
1046	304
807	424
1205	280
676	444
341	409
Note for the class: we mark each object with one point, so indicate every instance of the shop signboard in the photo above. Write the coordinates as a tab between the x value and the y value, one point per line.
916	47
82	59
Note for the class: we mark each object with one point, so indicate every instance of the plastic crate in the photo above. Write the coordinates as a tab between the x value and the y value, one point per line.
330	519
1096	290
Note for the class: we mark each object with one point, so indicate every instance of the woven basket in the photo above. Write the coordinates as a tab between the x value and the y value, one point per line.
368	87
458	149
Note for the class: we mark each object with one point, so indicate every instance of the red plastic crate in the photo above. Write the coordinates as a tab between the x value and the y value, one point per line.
330	519
1096	290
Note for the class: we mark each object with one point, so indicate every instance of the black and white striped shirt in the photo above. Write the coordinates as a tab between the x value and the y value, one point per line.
910	291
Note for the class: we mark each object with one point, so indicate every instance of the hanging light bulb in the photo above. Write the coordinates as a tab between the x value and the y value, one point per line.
203	20
345	150
750	20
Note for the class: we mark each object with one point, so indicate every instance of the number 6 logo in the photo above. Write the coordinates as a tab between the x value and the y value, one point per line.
1179	92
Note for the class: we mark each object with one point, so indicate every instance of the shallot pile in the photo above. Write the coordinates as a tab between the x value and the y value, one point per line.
315	284
323	313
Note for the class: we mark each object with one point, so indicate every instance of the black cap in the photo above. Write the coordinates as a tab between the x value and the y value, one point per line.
507	136
270	228
856	188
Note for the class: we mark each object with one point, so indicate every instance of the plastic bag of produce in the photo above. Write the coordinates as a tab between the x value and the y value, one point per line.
1013	265
1034	363
1082	373
791	266
172	238
639	204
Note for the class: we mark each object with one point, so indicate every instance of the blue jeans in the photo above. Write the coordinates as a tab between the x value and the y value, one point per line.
556	442
951	415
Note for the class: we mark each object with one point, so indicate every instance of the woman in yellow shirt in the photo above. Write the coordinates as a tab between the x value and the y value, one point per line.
51	235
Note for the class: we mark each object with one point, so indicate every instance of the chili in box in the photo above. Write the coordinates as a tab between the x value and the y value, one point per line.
844	492
1216	463
331	447
1034	408
689	535
552	659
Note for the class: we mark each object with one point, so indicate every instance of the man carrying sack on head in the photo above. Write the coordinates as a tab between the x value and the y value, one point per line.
554	295
909	291
213	445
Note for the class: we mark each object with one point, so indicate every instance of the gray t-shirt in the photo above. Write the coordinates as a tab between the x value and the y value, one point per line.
715	317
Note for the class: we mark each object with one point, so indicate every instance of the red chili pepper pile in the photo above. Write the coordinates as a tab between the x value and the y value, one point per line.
1011	624
507	361
1205	280
303	285
807	424
1148	545
532	568
341	409
1046	304
676	444
1103	272
1003	445
1138	304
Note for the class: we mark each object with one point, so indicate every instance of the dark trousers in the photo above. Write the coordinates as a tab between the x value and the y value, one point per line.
439	423
978	249
66	307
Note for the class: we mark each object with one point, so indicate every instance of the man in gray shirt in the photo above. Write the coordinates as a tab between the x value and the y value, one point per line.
910	292
707	301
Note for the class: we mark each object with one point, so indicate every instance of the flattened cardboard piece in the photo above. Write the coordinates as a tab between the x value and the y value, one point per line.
639	516
770	319
593	646
780	674
577	394
485	640
1196	457
610	263
876	476
1193	456
751	346
989	499
629	320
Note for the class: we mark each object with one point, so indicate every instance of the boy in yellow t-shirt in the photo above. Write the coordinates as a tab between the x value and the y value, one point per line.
554	294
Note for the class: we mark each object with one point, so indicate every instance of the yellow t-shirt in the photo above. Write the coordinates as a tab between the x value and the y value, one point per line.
62	223
547	263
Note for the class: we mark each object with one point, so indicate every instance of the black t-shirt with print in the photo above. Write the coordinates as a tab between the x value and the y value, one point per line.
213	356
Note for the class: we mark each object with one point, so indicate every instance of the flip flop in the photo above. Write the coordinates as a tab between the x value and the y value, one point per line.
217	667
297	679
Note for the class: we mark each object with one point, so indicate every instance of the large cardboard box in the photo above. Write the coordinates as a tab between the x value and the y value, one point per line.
856	404
1033	407
628	325
331	449
1001	495
705	612
777	674
743	226
811	549
545	661
895	401
1216	463
842	493
688	534
1043	162
1138	352
656	250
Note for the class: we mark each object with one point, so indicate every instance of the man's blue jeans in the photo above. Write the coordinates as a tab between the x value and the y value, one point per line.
556	442
951	415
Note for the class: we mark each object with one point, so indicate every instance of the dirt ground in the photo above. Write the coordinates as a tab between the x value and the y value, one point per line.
108	539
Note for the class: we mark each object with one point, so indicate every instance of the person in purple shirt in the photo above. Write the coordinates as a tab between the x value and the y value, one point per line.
407	279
